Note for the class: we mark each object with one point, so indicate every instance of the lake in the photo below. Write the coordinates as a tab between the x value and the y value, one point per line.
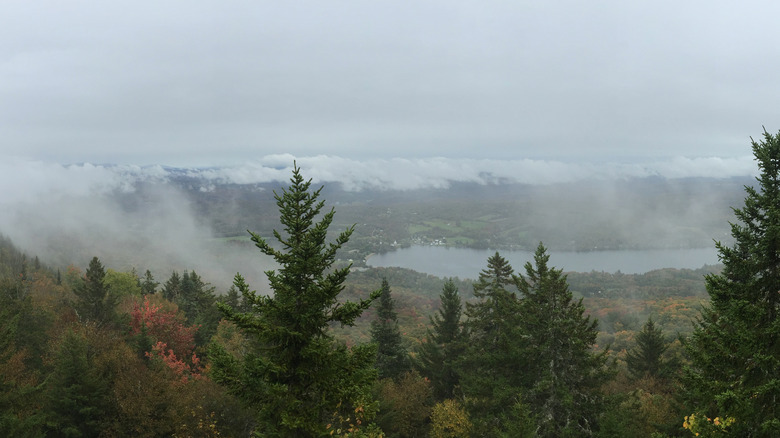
442	261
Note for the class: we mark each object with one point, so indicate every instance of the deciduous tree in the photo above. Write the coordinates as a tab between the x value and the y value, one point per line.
450	420
122	284
405	405
163	334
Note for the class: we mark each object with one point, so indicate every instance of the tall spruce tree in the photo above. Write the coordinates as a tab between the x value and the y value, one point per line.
298	379
445	343
492	367
198	302
735	346
95	303
563	376
172	287
148	286
494	315
646	358
392	359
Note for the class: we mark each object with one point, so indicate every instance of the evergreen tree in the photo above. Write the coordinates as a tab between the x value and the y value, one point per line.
23	275
198	302
392	359
19	405
492	367
734	347
645	359
494	316
172	288
95	302
298	379
234	300
563	375
143	342
78	399
149	286
436	358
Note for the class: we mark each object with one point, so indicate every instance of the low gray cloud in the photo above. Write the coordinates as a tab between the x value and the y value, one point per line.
204	83
412	174
53	181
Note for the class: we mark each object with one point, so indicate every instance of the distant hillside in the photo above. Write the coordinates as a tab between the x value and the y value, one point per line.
632	213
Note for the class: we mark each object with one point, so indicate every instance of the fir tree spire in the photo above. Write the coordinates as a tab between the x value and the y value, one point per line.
392	359
95	301
563	375
297	378
436	358
645	359
490	369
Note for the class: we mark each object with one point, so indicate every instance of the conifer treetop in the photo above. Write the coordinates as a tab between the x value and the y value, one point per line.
297	377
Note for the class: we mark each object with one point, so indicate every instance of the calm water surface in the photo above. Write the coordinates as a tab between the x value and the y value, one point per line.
467	263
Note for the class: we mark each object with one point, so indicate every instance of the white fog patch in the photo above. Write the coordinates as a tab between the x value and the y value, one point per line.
711	167
28	180
68	214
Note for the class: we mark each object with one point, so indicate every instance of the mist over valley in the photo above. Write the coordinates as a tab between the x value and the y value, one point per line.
167	218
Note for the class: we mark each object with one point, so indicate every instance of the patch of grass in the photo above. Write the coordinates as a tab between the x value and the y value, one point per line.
417	228
471	225
443	225
460	240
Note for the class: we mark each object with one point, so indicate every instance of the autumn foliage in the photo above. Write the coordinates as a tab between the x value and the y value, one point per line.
172	341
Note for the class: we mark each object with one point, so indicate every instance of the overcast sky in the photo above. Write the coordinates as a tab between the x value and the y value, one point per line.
197	83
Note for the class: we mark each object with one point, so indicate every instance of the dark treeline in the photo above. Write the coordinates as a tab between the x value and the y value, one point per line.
517	352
